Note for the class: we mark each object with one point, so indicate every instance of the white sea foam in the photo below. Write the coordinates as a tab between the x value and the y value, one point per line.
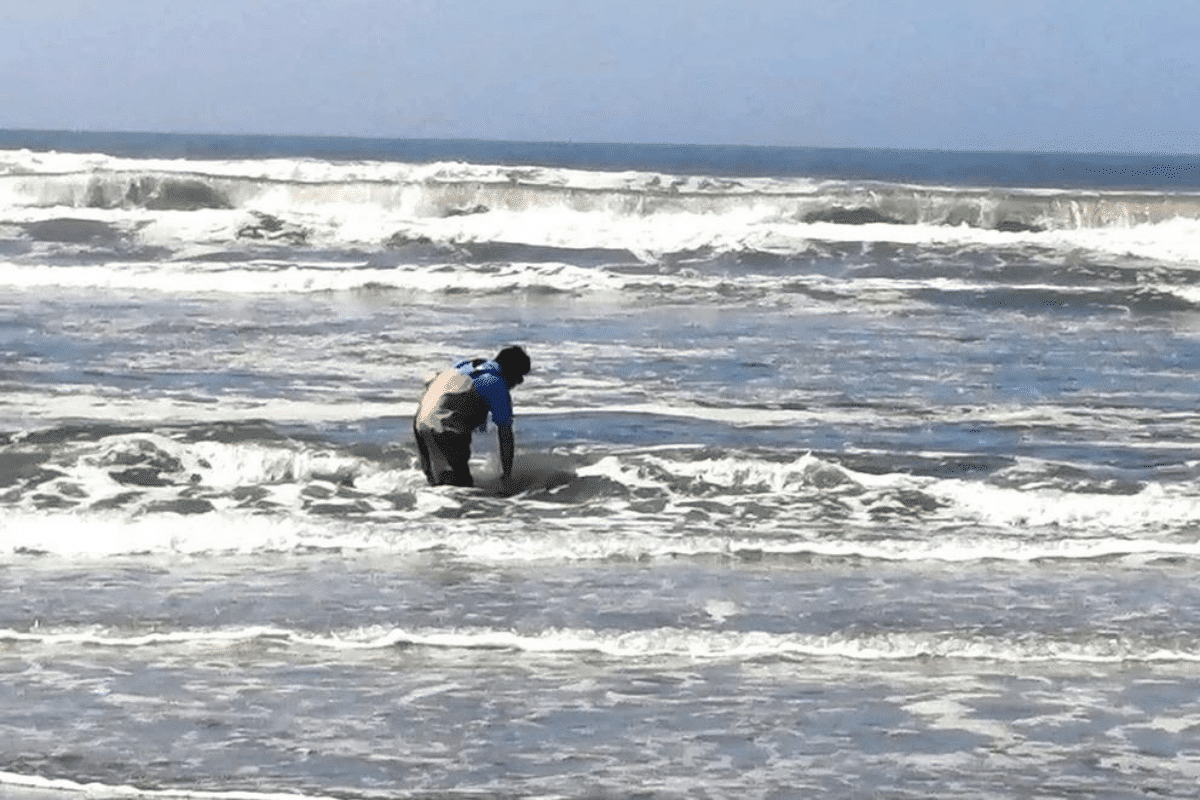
653	643
26	164
1155	507
271	277
28	410
34	787
622	534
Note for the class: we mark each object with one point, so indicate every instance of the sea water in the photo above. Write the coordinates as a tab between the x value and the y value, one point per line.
840	473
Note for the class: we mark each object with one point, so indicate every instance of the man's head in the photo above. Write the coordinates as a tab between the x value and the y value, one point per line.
514	365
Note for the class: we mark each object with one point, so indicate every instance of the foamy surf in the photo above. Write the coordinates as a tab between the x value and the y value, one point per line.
633	647
828	462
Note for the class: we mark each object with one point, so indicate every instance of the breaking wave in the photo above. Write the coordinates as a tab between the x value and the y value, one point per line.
461	190
82	493
298	225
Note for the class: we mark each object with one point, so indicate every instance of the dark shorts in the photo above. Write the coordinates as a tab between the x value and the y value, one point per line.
444	457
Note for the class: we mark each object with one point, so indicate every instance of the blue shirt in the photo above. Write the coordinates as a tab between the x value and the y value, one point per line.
490	385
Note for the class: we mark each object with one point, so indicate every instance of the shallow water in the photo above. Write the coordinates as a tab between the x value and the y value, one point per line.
899	509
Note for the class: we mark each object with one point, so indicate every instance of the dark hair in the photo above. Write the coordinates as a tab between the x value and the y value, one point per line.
514	364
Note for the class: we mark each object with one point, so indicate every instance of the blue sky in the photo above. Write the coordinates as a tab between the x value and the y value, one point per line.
1054	75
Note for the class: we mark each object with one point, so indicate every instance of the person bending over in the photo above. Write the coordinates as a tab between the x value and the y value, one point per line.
457	402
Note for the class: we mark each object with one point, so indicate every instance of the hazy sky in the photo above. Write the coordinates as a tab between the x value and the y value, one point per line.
1082	75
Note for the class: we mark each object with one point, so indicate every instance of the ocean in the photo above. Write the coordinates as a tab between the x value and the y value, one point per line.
841	473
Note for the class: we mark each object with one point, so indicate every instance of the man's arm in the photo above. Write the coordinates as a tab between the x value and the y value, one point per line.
505	434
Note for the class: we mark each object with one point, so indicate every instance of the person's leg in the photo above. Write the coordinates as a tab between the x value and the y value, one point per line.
445	457
426	461
456	449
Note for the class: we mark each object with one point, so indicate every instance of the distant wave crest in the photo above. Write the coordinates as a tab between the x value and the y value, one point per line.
450	189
